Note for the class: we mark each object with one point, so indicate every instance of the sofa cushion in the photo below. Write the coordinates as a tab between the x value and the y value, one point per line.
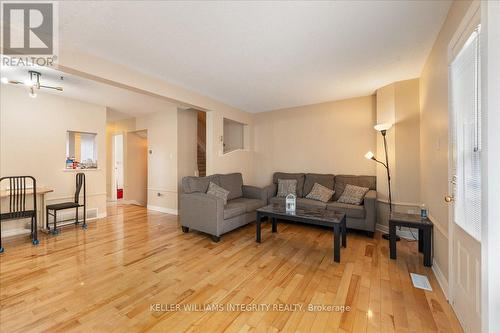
353	195
323	179
218	191
320	193
233	209
342	180
192	184
232	182
352	211
300	180
250	204
286	187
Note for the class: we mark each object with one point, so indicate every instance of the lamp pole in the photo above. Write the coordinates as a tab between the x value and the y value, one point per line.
384	132
382	128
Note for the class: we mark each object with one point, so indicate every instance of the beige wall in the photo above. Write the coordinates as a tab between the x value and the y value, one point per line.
233	135
407	127
434	132
33	142
398	104
161	175
162	162
136	173
106	71
236	161
386	113
325	138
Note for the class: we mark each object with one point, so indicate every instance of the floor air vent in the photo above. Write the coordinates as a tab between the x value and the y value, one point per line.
420	281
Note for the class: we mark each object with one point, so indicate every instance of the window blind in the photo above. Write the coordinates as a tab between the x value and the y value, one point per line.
466	108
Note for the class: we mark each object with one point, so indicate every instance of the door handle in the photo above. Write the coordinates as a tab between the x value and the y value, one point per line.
449	198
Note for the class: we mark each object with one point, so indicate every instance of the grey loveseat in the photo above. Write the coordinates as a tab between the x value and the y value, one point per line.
362	217
207	213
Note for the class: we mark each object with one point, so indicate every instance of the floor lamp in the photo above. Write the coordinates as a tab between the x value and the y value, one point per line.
383	128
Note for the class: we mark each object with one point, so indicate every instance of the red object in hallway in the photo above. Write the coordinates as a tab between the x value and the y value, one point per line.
119	193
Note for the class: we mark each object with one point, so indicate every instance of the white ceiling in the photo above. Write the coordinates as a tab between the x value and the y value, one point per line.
121	103
260	56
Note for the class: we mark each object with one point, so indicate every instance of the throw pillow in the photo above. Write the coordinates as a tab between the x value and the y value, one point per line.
320	193
286	186
218	191
353	195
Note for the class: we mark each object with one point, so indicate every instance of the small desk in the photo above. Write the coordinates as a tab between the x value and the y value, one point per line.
40	192
424	226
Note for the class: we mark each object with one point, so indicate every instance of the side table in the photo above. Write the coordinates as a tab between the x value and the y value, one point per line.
424	226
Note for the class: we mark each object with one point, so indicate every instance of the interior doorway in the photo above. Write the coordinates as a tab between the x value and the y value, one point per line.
201	149
136	171
118	167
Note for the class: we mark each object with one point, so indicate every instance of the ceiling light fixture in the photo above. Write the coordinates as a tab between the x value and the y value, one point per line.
33	82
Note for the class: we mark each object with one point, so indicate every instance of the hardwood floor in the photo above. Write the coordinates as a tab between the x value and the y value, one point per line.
106	278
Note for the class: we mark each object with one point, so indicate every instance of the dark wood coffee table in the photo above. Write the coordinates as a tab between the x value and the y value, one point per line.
323	217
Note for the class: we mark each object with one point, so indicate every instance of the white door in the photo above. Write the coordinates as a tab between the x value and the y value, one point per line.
465	173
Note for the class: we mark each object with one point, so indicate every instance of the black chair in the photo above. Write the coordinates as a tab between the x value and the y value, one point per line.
80	182
17	205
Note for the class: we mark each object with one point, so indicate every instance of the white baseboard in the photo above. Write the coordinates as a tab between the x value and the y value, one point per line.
163	210
403	233
26	229
99	216
443	283
130	202
15	232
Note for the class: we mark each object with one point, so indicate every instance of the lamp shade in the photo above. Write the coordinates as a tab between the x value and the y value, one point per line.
382	127
369	155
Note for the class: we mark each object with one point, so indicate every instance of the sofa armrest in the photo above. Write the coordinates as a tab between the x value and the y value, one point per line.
272	191
254	192
201	211
370	203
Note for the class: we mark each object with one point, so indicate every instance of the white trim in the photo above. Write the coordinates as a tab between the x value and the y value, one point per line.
466	26
438	226
81	170
406	234
490	247
15	232
131	202
99	216
161	190
240	150
71	196
24	231
163	210
406	204
438	273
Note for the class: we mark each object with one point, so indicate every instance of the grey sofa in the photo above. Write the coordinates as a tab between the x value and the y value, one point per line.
207	213
361	217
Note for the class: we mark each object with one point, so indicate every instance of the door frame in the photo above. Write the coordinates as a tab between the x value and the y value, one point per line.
490	99
469	22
